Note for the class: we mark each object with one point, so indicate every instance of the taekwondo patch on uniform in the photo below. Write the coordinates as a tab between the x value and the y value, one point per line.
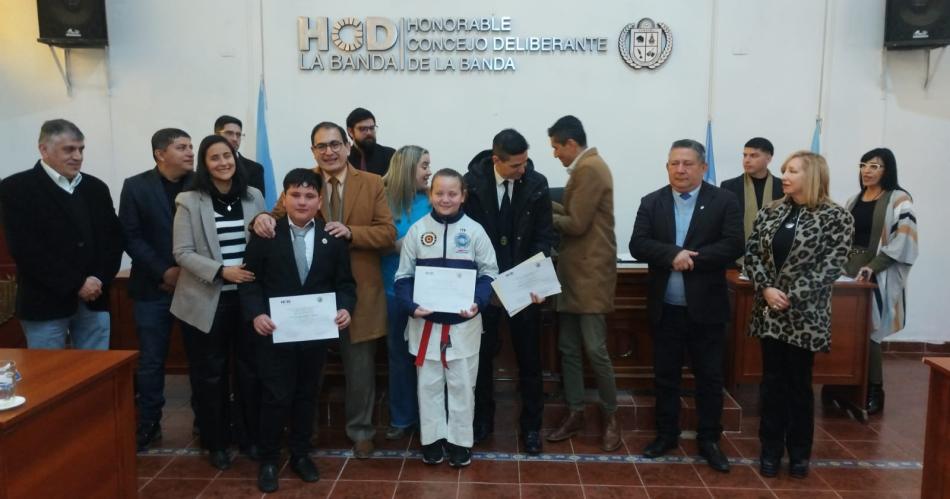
462	240
428	239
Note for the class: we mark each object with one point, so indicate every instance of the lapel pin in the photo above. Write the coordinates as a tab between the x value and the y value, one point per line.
324	240
703	207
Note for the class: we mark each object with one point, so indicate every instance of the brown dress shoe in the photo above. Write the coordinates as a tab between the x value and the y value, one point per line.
363	449
573	423
612	439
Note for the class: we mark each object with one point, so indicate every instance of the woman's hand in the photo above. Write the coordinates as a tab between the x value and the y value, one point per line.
264	225
864	274
342	318
471	312
236	274
776	299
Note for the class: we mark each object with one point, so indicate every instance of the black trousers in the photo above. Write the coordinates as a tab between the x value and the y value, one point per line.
289	375
526	340
676	335
787	404
209	361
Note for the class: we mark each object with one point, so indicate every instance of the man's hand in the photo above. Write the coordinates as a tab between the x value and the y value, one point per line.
421	312
170	277
342	319
776	299
338	230
237	274
684	260
90	290
468	314
263	325
537	300
263	225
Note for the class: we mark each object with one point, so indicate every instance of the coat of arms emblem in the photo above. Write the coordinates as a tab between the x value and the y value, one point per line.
645	44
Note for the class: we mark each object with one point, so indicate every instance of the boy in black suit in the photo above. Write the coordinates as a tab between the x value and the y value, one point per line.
302	259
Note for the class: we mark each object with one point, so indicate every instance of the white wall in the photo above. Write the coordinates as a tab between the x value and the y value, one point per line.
178	63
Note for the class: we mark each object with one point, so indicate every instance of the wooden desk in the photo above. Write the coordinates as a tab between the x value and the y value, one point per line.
936	479
846	366
75	435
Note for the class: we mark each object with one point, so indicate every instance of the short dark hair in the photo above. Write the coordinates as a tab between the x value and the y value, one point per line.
889	178
448	172
328	124
761	143
164	138
357	115
225	120
507	143
202	179
59	126
568	127
698	148
303	177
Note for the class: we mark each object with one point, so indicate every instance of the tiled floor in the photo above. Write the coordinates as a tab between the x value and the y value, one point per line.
881	459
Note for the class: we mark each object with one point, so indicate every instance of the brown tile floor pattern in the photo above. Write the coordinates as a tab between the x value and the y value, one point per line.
878	460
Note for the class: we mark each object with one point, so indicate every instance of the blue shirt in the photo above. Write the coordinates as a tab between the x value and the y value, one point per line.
389	263
682	214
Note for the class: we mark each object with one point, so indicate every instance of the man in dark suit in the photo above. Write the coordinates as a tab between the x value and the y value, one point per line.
688	232
366	154
232	129
146	211
756	187
302	259
66	241
510	200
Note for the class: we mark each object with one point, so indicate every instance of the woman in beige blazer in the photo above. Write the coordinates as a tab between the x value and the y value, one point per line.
209	238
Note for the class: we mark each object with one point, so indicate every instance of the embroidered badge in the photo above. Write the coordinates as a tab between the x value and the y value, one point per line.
462	240
429	238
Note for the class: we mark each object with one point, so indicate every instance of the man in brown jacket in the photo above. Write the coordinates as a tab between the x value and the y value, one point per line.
587	269
355	209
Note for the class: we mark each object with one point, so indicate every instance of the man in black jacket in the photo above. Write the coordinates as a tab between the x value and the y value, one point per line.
146	212
367	154
66	241
232	129
756	187
688	232
511	201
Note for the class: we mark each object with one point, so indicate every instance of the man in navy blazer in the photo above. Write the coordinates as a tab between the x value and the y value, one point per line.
66	241
688	232
146	212
303	258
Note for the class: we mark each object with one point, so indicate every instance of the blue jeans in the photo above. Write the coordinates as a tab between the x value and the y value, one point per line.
403	403
153	324
88	329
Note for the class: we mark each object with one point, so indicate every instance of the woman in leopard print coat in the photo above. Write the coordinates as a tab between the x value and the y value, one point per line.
795	253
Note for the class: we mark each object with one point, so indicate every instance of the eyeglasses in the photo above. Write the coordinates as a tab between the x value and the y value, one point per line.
367	129
871	166
334	146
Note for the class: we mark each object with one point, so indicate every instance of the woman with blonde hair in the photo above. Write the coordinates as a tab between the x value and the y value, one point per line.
794	254
406	184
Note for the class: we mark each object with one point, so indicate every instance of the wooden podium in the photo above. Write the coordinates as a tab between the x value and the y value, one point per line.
936	479
75	435
845	367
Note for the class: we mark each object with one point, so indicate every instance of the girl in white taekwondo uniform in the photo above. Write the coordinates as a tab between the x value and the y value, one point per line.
446	345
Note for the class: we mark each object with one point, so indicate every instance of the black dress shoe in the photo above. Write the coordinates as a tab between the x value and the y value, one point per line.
145	434
303	467
220	459
875	399
660	446
532	442
798	468
714	457
768	466
267	478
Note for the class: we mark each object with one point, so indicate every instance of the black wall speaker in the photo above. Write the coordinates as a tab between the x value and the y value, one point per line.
917	24
72	23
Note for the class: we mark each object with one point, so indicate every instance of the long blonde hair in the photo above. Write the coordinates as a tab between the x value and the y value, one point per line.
817	177
400	180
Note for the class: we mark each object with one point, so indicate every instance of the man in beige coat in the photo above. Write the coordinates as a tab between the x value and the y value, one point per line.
355	209
587	269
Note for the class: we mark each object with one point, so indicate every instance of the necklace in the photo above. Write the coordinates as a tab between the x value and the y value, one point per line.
791	224
875	198
226	205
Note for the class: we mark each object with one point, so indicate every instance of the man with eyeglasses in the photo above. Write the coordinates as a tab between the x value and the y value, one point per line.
366	154
354	209
231	128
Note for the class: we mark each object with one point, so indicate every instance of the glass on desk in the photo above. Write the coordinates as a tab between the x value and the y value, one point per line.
8	380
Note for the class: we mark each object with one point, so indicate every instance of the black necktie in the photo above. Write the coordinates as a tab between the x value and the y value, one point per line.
505	231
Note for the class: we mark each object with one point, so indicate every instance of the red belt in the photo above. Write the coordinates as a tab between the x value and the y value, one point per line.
424	343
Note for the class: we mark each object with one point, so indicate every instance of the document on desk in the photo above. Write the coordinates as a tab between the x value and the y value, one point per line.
443	289
535	275
304	317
